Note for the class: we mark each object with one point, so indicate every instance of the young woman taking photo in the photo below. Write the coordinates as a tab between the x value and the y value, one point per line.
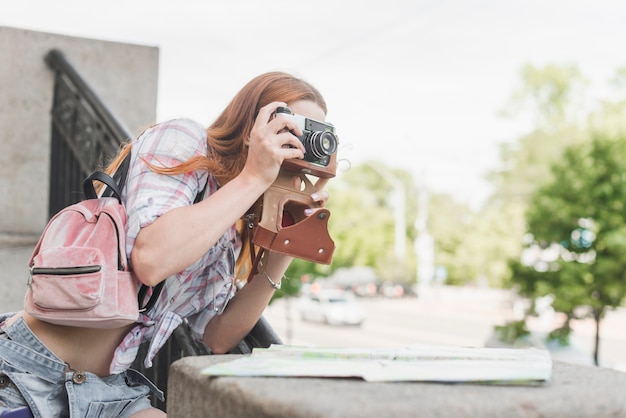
61	371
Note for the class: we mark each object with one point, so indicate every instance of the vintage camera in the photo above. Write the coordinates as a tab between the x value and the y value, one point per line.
320	143
278	221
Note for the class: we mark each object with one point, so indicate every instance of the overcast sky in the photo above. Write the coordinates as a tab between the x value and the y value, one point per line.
414	84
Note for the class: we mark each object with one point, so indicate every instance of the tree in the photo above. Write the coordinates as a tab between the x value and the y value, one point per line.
610	118
362	220
580	213
555	98
555	95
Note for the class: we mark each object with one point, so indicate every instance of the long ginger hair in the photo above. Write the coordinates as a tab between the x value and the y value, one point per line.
227	135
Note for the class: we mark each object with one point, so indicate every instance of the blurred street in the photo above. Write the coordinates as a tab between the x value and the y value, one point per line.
447	316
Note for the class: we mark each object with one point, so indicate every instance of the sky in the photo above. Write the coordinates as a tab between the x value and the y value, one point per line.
417	85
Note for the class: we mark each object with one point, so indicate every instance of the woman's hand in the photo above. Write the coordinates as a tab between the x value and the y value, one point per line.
320	195
272	140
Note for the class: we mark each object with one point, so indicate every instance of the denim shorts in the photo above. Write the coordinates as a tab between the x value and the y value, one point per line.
31	375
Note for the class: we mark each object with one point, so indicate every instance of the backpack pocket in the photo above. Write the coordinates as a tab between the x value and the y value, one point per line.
67	278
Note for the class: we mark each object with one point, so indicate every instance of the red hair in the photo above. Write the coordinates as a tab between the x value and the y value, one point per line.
226	137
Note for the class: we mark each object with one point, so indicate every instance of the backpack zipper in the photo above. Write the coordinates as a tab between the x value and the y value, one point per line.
62	271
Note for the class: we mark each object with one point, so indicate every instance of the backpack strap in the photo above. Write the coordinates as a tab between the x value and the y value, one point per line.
112	187
143	290
119	177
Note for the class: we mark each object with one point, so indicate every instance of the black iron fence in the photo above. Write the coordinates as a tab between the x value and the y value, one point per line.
85	135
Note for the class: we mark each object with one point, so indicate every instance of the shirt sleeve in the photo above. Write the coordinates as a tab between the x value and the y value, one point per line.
148	195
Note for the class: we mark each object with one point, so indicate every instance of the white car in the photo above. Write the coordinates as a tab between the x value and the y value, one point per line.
332	307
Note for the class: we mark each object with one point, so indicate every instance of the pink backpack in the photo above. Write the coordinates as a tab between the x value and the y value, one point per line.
79	274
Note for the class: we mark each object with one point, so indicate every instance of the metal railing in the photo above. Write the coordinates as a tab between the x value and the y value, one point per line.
85	135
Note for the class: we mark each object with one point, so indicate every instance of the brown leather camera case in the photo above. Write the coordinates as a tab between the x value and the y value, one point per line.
302	236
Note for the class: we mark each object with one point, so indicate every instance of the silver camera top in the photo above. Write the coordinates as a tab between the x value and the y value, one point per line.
318	138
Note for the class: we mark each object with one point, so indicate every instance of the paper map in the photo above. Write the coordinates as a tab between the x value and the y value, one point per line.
417	363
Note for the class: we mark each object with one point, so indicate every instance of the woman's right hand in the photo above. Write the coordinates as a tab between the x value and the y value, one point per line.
272	140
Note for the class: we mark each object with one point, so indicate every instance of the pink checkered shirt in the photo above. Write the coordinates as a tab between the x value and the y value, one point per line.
203	289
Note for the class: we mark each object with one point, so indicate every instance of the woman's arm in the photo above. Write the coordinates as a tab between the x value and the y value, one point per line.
223	332
180	237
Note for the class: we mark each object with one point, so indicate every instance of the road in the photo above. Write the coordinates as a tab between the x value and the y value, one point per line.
446	316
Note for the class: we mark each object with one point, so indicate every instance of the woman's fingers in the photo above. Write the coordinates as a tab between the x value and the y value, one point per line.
320	195
266	114
274	132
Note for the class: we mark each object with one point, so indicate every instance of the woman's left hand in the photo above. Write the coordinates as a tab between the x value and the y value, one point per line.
320	195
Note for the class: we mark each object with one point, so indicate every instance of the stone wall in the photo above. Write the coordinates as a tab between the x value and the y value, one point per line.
123	75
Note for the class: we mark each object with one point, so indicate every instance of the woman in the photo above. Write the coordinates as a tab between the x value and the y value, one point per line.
66	371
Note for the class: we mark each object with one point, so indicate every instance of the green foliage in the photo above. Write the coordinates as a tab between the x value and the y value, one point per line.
474	246
450	222
554	96
512	333
468	245
566	174
582	212
298	271
526	163
554	93
362	220
561	335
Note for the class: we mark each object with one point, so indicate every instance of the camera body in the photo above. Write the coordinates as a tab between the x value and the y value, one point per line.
320	143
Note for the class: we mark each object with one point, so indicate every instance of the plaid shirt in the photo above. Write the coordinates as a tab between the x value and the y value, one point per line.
203	289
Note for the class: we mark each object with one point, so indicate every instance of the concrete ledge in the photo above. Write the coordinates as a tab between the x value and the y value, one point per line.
575	391
14	276
18	240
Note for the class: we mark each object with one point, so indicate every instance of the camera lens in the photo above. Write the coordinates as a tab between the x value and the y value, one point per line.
320	144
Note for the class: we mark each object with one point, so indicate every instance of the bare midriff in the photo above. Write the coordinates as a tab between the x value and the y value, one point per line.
83	349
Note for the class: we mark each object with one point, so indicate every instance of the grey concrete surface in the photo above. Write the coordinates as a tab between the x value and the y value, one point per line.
125	77
13	277
575	391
